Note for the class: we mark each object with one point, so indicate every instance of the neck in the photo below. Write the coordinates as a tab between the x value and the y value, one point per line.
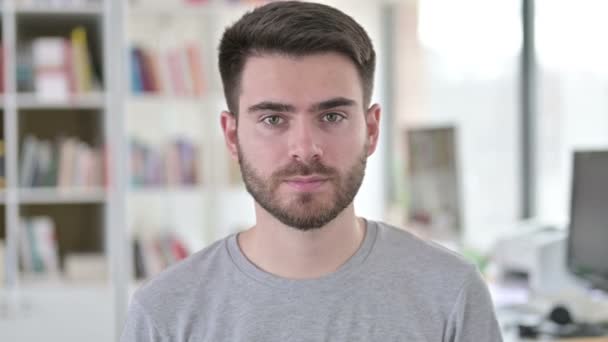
294	254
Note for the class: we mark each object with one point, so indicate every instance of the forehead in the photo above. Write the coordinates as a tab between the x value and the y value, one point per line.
300	81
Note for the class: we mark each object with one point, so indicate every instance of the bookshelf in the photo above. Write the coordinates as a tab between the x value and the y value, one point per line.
59	133
159	108
57	203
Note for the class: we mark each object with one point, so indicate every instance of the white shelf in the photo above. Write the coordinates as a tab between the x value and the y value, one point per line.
175	10
87	10
159	190
148	98
35	282
61	195
93	100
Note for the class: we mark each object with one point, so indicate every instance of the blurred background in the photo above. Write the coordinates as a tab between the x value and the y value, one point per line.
113	166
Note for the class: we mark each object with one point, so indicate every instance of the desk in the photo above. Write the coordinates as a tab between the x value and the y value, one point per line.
509	321
590	339
584	306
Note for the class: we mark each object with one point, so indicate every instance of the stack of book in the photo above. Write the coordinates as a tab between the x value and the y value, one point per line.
153	254
57	68
175	163
66	163
175	72
39	253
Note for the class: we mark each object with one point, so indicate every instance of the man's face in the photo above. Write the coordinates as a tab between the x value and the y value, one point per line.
303	137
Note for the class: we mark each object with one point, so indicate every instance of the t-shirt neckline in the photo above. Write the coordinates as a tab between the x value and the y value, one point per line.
251	270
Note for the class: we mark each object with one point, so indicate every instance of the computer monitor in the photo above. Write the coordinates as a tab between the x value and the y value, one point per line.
588	237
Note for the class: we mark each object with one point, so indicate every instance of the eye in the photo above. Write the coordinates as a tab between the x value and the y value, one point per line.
333	117
273	120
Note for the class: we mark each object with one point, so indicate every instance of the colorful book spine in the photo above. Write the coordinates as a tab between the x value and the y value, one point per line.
81	60
136	71
2	166
152	254
68	162
39	250
176	72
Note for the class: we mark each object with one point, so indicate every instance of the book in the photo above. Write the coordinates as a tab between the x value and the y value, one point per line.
2	58
187	154
2	165
139	266
25	254
151	71
67	151
178	249
146	70
38	246
28	160
43	229
173	163
51	68
137	85
56	67
81	60
43	173
152	257
177	71
25	68
196	68
155	252
66	162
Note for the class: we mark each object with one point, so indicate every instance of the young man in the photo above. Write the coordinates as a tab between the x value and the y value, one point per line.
298	81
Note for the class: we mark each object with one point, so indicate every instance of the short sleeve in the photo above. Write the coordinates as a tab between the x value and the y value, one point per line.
139	327
473	317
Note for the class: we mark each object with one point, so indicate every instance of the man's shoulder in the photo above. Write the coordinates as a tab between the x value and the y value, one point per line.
421	256
179	280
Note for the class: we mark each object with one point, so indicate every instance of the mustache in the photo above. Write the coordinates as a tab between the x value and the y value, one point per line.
298	168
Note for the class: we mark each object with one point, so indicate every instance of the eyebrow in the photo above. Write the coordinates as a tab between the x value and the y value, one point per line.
271	106
284	107
332	103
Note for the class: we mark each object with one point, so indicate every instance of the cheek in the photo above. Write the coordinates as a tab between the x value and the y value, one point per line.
345	146
260	152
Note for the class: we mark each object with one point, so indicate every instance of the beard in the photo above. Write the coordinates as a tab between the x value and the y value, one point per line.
306	210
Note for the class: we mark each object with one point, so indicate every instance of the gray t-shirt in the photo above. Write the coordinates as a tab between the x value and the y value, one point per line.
396	287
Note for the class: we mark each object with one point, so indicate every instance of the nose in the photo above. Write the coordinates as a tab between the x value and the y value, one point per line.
304	141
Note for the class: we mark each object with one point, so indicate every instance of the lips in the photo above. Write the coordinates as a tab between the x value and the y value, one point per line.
308	183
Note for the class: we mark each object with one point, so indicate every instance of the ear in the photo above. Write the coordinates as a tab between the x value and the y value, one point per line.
372	121
229	127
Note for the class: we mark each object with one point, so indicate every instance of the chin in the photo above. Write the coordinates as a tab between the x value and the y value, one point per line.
310	200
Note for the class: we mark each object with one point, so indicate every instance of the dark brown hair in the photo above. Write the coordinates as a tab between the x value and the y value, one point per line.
296	29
